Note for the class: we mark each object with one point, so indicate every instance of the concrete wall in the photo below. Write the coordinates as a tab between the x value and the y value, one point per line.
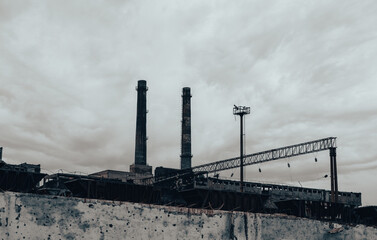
27	216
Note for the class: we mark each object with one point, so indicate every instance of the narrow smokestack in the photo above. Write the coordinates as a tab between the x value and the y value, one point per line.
186	129
1	153
141	124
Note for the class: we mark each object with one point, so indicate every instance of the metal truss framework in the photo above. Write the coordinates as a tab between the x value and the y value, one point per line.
270	155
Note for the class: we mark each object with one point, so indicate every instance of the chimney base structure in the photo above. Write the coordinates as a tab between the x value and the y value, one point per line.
141	169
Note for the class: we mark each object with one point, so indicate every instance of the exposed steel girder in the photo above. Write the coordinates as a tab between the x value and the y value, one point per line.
270	155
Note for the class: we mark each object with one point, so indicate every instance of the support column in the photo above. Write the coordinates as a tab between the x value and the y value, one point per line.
241	153
334	176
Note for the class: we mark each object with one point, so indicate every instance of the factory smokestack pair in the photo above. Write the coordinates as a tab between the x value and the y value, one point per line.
140	165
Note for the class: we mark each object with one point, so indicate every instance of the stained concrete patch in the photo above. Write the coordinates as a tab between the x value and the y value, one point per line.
46	210
86	225
228	231
70	236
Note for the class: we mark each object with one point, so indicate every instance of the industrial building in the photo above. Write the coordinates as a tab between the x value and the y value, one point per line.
191	186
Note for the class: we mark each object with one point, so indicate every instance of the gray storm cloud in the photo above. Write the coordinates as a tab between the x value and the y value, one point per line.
68	72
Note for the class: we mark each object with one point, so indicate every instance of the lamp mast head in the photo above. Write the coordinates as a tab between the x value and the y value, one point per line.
241	110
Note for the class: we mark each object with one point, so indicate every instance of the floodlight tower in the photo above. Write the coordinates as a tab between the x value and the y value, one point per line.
241	111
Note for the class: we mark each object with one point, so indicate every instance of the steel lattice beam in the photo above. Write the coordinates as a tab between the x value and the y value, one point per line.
270	155
255	158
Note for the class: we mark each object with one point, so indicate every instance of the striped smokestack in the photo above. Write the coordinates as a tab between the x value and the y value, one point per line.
186	129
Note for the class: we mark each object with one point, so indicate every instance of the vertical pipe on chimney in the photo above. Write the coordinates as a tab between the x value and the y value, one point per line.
141	124
186	129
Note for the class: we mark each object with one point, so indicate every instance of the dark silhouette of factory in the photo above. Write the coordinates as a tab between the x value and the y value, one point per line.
191	186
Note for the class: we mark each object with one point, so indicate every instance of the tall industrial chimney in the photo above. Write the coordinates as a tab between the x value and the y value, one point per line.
140	165
1	153
186	129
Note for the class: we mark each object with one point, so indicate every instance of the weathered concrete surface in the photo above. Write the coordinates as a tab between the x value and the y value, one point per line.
28	216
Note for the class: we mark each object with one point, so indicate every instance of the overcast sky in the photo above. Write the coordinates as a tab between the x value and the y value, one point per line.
307	69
